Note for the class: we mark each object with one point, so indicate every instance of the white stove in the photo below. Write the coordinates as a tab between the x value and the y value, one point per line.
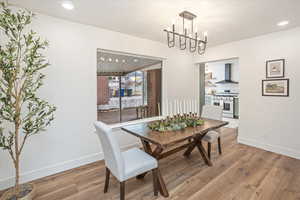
226	100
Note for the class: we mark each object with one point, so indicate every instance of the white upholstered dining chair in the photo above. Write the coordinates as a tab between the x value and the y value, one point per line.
124	165
216	113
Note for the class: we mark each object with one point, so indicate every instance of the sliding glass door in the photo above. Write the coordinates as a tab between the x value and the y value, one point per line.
123	98
109	99
128	86
132	95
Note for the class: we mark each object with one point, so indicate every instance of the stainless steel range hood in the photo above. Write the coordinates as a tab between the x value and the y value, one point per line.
227	76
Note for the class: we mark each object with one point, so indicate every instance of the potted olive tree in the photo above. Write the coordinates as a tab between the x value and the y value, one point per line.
22	113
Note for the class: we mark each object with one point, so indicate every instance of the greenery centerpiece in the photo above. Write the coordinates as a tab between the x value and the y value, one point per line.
22	113
176	122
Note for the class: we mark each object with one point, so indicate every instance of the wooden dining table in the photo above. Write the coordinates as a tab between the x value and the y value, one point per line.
159	144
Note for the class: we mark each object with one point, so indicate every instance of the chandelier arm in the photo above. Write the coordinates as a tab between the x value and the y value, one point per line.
194	43
171	43
183	45
173	35
201	50
193	48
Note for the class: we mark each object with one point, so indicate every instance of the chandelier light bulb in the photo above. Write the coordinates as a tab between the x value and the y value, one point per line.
205	34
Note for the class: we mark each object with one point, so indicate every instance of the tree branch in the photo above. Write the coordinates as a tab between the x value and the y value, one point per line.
20	61
12	155
23	142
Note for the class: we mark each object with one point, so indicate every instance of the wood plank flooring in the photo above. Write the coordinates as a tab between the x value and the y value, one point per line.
241	173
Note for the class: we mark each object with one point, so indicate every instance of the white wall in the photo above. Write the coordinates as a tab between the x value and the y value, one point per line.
270	123
266	122
71	86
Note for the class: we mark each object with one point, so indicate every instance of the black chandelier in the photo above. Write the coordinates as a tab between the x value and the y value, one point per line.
195	43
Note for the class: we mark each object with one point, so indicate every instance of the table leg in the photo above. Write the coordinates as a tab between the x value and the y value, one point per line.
161	183
190	148
156	153
198	143
203	153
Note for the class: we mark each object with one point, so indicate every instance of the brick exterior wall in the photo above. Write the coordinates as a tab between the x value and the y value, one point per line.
154	91
102	90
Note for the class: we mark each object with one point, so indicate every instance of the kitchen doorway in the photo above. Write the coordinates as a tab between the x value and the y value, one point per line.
219	86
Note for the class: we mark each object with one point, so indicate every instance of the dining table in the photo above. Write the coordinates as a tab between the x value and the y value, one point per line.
159	144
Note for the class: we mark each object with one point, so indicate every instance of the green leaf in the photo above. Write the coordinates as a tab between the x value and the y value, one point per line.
21	65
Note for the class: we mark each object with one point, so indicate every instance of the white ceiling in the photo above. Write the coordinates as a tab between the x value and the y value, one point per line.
119	62
225	20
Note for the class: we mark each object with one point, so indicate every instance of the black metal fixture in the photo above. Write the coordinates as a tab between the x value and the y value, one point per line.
195	43
227	75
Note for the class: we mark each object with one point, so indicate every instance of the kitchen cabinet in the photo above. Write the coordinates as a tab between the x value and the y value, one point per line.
208	99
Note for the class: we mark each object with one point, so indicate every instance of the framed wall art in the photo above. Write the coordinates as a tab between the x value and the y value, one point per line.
275	87
275	68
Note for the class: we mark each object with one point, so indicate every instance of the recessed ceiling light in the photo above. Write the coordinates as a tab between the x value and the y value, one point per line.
67	4
283	23
135	60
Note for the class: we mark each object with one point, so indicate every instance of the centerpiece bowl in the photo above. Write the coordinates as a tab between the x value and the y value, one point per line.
176	122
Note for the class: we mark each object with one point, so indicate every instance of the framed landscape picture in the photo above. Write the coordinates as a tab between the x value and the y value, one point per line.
276	87
275	68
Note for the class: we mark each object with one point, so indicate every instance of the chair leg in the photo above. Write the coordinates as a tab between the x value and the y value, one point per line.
219	145
106	180
208	149
155	181
122	190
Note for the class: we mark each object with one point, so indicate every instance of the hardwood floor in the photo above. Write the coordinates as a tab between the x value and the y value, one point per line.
241	173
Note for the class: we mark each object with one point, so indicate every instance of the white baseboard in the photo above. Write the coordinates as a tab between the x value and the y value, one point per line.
272	148
53	169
